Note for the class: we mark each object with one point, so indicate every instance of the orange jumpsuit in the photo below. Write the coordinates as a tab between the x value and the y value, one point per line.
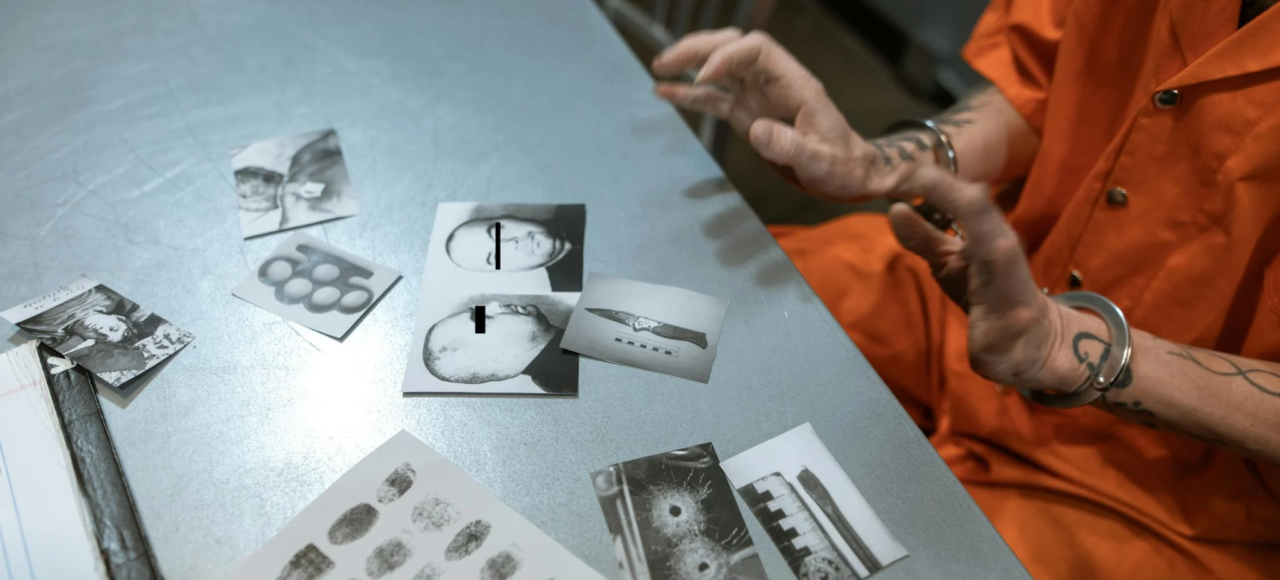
1188	251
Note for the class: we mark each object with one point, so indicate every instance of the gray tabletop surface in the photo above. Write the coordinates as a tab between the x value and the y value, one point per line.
116	119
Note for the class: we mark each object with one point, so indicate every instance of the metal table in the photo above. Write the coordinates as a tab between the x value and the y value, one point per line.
116	119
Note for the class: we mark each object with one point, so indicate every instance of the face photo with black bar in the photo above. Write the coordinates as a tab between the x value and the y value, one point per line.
499	344
544	242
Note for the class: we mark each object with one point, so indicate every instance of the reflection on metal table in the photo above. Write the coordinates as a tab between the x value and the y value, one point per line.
116	123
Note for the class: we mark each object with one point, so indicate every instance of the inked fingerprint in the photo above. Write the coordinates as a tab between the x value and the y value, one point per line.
433	514
468	540
396	484
308	564
353	524
699	558
428	572
387	557
502	566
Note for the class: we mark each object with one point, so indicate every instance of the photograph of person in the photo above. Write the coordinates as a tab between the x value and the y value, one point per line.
510	247
97	328
510	345
292	181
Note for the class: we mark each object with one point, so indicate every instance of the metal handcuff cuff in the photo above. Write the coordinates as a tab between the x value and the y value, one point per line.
942	150
1109	369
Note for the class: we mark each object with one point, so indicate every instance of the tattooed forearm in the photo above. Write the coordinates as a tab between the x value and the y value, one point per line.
1263	380
1137	412
1134	411
961	114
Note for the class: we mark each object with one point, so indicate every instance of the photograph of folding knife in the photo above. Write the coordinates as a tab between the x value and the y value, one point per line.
640	323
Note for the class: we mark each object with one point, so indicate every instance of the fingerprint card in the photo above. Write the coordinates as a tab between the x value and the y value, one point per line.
316	285
406	512
673	516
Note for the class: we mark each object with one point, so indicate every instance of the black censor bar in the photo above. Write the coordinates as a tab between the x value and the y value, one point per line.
479	318
497	248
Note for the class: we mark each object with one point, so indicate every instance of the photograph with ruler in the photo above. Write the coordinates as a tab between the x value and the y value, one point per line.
810	509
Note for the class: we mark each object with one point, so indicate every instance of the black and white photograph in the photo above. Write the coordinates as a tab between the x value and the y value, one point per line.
316	285
290	182
113	337
405	512
494	344
658	328
510	248
812	511
672	516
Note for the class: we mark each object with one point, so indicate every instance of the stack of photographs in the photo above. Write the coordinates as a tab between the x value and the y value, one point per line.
113	337
498	288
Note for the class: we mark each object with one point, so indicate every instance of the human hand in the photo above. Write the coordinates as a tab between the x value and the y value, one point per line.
779	106
1017	334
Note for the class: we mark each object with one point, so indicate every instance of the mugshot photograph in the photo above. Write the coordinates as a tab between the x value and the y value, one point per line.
496	344
509	241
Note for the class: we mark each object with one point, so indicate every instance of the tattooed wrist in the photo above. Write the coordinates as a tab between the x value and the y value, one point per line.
903	148
916	146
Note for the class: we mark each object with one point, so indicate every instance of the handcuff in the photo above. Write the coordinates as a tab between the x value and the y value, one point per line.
1109	368
943	150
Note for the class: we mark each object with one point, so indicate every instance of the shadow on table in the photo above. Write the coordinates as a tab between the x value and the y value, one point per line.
739	243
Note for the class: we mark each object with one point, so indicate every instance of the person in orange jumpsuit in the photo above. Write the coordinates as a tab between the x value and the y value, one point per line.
1144	137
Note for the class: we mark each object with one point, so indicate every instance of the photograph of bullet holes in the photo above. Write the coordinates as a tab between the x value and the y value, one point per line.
673	516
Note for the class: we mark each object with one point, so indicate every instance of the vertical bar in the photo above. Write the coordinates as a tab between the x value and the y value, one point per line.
478	317
497	245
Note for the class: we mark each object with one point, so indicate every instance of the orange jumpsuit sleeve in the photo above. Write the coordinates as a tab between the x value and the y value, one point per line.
1014	46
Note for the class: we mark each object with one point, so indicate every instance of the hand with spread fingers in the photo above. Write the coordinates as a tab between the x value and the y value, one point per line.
778	105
